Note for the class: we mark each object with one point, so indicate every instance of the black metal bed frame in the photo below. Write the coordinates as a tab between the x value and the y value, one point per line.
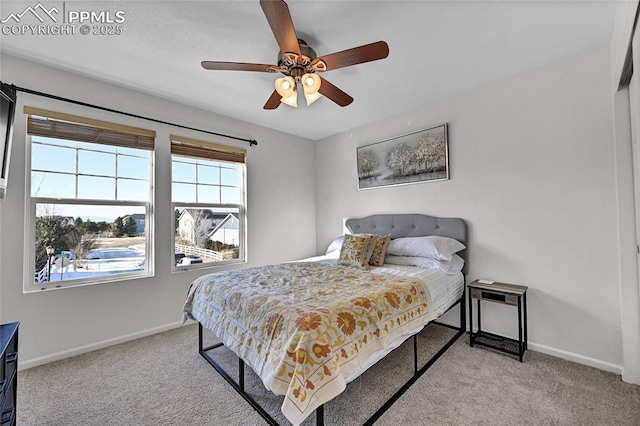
418	372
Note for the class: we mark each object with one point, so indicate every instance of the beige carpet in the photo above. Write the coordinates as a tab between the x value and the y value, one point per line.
162	380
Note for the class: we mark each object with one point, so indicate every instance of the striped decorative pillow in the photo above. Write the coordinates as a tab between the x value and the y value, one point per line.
380	244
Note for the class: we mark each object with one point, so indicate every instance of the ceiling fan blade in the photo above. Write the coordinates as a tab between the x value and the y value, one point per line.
279	18
357	55
237	66
332	92
274	101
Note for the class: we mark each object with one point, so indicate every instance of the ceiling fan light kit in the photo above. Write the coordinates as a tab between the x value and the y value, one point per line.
311	85
299	62
286	87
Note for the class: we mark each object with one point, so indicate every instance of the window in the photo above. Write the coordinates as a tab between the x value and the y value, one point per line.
208	202
90	201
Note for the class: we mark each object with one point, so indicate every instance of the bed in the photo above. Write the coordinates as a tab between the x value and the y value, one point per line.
308	328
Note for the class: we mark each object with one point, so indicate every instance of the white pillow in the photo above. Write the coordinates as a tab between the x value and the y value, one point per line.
434	247
449	267
335	245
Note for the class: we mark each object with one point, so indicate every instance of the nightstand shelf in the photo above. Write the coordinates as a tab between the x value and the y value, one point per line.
508	294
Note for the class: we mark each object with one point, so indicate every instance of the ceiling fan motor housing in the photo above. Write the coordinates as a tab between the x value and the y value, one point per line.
295	64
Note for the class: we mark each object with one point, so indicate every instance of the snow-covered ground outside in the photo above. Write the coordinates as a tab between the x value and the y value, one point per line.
99	262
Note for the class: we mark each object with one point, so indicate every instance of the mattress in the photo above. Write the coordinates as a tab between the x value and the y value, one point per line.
445	289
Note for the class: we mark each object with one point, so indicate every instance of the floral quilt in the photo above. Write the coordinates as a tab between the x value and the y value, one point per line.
303	327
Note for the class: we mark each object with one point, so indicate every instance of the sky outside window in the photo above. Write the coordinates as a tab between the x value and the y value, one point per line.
81	170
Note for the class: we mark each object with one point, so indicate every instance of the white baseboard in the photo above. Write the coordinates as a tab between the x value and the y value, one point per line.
30	363
559	353
580	359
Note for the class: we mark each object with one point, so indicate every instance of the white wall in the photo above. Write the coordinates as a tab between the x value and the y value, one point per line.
532	171
59	323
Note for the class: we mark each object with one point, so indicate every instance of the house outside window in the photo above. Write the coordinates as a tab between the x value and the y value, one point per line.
90	201
208	202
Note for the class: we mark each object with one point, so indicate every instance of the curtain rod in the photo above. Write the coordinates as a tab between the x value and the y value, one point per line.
251	142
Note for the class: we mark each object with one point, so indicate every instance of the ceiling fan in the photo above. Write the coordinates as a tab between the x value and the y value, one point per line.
299	62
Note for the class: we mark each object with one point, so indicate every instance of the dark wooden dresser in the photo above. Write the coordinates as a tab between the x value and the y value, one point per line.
9	372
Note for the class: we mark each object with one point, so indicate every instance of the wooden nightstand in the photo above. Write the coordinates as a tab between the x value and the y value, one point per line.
508	294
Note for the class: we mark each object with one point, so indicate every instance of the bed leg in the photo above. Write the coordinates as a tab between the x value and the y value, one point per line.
320	415
463	314
415	354
241	374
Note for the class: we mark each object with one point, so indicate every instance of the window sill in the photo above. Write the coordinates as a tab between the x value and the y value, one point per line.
59	285
207	266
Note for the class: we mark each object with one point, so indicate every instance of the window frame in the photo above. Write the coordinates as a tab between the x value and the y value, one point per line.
31	203
242	207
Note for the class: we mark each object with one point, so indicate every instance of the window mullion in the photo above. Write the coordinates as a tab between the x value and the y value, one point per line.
197	180
115	181
77	177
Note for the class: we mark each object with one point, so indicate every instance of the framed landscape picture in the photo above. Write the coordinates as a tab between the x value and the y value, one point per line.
421	156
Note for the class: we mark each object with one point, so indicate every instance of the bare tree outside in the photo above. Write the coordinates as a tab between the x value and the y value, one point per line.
200	227
80	244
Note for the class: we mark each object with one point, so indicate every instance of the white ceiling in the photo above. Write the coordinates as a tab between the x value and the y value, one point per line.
437	48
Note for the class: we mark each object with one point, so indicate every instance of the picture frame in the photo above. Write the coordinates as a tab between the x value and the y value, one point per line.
417	157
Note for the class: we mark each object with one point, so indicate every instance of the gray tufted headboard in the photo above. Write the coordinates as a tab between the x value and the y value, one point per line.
411	225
